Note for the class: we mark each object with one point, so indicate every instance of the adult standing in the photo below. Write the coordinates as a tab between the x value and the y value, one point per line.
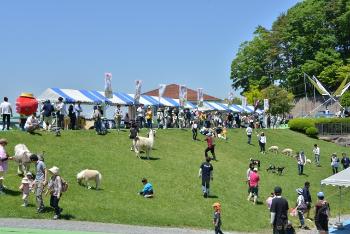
140	115
118	114
254	179
78	110
322	213
345	161
55	188
206	172
249	132
40	181
301	159
279	212
316	152
96	116
47	111
307	198
3	163
194	130
262	142
72	117
149	117
6	112
61	112
334	163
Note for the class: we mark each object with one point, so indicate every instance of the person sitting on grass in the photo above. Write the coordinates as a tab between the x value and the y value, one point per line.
147	190
32	124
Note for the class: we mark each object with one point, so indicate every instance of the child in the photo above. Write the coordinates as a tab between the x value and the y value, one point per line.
211	146
217	218
290	229
133	134
24	187
147	191
269	200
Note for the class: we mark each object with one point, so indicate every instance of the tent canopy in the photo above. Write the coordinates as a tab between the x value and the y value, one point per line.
340	179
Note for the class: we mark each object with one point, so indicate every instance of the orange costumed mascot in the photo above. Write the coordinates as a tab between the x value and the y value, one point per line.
26	105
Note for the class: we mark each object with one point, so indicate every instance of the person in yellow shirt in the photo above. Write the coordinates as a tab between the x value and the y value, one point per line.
149	116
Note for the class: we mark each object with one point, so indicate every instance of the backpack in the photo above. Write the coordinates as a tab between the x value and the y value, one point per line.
64	185
323	212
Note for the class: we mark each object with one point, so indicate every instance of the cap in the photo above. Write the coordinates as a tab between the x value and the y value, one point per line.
320	194
278	189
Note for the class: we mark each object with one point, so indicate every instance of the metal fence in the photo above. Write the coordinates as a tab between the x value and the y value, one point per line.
333	128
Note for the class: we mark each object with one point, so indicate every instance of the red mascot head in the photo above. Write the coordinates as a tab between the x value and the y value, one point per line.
26	104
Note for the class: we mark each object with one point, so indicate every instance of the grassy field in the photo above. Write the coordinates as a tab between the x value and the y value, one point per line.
174	174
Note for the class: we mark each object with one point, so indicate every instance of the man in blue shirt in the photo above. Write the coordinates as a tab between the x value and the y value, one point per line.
40	181
147	190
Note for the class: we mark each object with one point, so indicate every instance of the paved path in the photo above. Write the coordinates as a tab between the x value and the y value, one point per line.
41	226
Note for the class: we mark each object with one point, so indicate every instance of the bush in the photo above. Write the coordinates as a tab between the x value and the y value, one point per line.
301	124
311	132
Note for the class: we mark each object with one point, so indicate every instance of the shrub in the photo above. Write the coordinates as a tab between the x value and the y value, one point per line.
311	132
301	124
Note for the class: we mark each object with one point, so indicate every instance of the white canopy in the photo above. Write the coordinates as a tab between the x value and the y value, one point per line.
340	179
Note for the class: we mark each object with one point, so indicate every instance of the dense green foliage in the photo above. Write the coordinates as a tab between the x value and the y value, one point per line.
174	173
302	124
280	101
311	132
312	37
345	99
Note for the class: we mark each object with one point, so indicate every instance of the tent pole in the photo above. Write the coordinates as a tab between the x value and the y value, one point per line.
339	203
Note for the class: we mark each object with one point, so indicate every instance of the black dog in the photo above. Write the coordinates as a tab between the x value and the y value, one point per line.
274	169
255	162
280	170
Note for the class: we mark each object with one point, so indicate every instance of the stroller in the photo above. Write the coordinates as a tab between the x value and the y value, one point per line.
54	125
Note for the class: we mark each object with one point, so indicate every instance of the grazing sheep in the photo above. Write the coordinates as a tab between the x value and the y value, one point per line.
273	149
86	175
22	155
144	144
287	152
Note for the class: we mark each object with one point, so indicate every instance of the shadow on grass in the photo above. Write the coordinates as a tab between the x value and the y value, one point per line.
150	158
212	196
67	216
12	192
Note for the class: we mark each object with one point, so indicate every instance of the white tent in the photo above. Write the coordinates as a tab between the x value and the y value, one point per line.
341	179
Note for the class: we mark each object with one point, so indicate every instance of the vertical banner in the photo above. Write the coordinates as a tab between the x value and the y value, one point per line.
182	95
161	91
244	103
230	99
266	105
138	91
108	85
200	97
256	104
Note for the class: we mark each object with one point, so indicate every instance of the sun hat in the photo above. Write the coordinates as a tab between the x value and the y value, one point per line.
25	181
3	141
299	191
29	174
54	170
320	194
216	204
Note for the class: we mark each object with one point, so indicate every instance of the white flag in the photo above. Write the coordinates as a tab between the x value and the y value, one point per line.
161	91
266	105
108	85
138	91
182	95
200	97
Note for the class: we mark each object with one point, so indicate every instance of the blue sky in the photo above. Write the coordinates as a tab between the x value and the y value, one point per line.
71	44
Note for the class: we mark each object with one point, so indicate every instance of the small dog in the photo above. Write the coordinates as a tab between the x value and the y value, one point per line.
273	169
273	149
86	175
308	161
287	152
280	170
255	162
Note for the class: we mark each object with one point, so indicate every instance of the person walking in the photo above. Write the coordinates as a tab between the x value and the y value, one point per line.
345	161
249	132
262	142
6	112
301	208
217	218
118	113
307	198
254	179
334	163
301	159
316	152
194	130
279	212
133	134
206	173
249	172
55	189
97	117
211	146
3	163
40	181
322	213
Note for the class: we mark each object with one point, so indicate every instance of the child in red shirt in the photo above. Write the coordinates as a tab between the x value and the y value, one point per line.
211	146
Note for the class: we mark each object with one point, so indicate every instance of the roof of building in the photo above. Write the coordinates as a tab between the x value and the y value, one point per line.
172	91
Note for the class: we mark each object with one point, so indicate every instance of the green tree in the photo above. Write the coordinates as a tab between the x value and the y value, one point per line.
280	100
345	99
253	94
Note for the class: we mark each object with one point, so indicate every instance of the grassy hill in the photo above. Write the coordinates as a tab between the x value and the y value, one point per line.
174	174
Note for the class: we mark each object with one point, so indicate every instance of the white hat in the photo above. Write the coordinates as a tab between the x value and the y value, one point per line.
54	170
255	169
25	180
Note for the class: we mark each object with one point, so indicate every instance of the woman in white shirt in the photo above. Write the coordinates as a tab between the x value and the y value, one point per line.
262	142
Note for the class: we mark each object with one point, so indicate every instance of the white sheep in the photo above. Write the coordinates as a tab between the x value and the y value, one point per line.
287	151
144	144
273	149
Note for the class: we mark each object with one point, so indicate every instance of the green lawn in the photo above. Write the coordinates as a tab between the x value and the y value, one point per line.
174	175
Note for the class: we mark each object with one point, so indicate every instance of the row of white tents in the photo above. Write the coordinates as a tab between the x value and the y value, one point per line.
97	97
